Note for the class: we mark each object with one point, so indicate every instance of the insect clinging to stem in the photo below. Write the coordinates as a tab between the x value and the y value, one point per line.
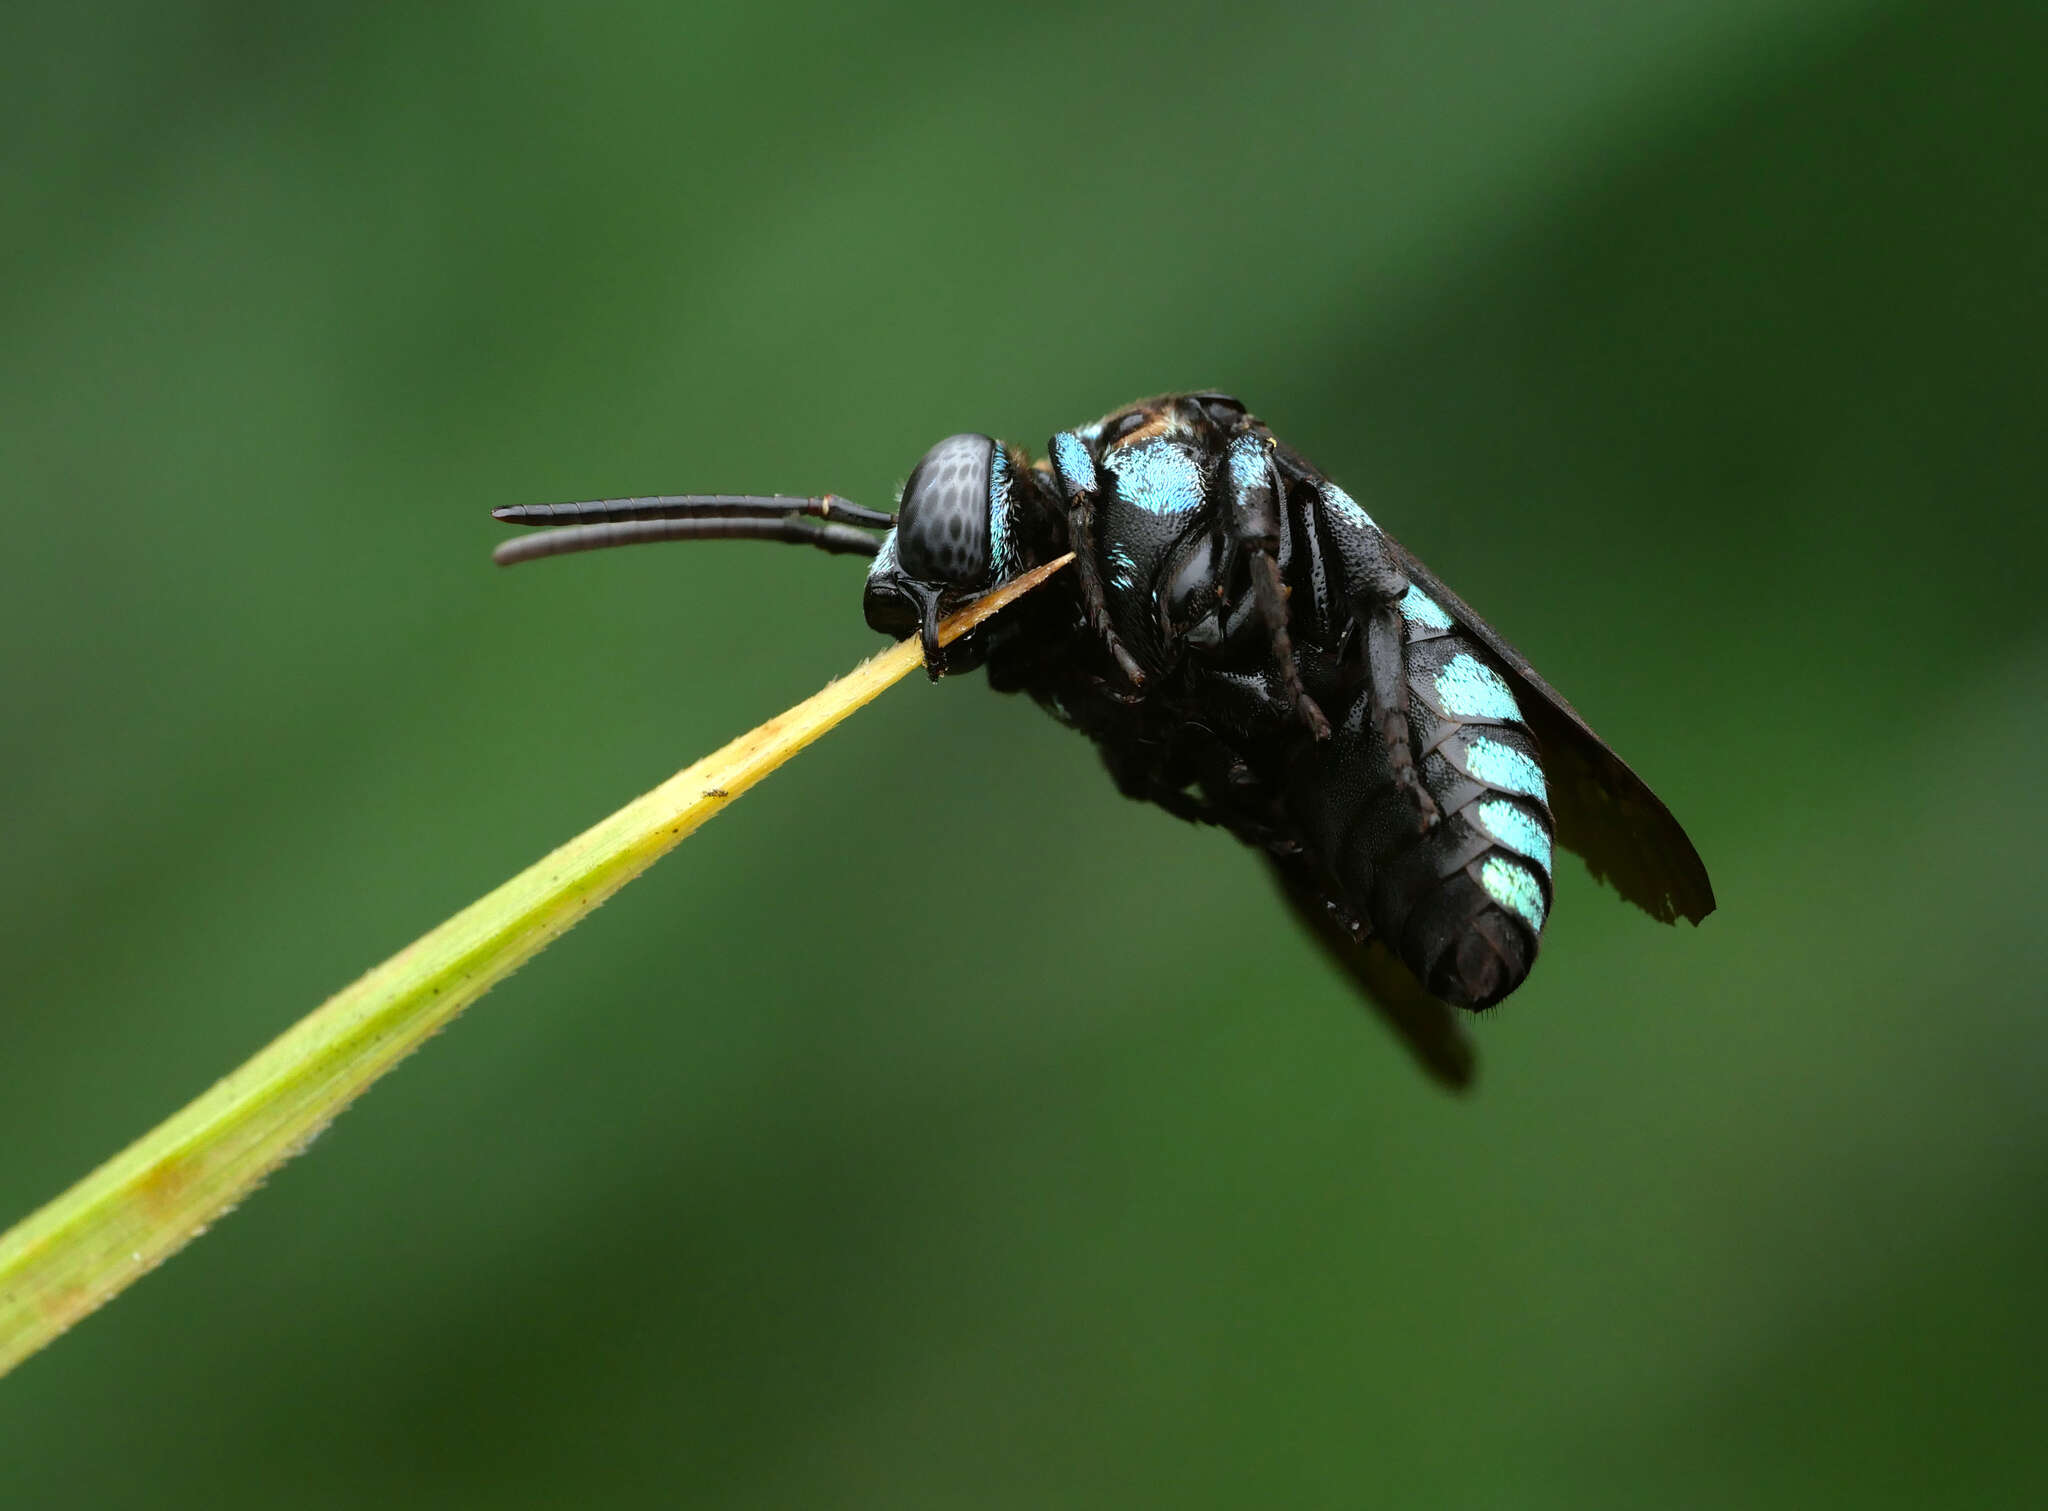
1247	648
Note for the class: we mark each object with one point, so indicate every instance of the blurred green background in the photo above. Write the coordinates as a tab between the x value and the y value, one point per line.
938	1128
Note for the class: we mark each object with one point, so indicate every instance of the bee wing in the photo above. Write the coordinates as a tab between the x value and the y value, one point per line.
1605	813
1428	1027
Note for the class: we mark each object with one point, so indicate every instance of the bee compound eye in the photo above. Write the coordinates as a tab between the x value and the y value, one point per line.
942	531
1124	425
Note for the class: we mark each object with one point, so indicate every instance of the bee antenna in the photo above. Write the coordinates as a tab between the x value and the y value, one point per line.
828	506
828	522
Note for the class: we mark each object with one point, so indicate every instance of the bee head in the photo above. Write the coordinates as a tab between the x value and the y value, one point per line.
957	533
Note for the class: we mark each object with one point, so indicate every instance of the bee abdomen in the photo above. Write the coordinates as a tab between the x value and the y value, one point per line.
1464	903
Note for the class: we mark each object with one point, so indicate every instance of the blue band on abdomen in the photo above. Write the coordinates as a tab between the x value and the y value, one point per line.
1417	607
1470	689
1512	885
1514	827
1505	767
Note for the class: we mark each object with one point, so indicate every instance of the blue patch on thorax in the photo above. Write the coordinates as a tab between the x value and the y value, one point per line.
1161	477
1070	457
1125	575
1249	463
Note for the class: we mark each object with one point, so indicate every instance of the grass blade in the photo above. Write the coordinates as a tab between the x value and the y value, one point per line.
148	1201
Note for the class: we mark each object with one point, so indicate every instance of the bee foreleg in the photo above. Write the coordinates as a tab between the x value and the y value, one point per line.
1387	704
1078	479
1373	584
1254	516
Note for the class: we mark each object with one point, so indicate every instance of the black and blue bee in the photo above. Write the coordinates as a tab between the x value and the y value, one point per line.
1248	648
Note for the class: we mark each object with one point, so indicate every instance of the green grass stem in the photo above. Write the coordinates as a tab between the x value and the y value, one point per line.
143	1205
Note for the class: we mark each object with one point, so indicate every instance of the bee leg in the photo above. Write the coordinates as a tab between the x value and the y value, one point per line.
1271	594
1254	515
1374	584
1081	522
1124	697
1078	481
1387	706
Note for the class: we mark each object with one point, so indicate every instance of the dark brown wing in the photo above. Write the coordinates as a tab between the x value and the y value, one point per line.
1428	1027
1604	811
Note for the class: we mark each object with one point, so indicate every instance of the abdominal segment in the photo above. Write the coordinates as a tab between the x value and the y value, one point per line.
1464	903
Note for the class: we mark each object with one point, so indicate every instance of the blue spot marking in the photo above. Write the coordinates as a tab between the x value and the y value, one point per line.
1157	476
1505	767
885	558
1470	689
1248	468
1417	607
1070	456
1126	574
1511	824
1509	883
1003	563
1346	507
